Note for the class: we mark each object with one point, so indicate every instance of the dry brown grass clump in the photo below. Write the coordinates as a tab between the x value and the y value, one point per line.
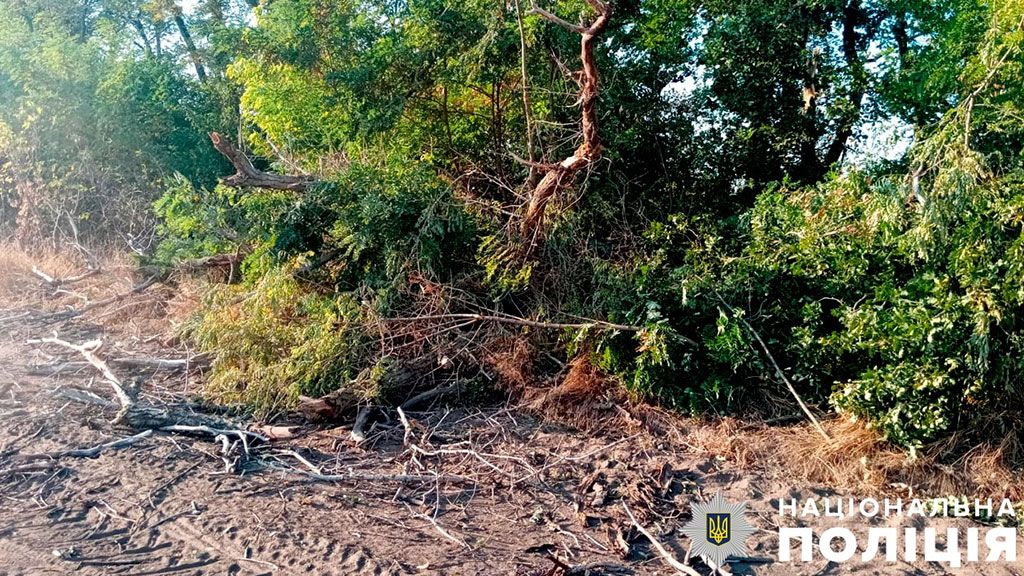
857	459
113	274
512	361
19	286
583	398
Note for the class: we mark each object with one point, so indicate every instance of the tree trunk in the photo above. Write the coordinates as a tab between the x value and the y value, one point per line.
247	175
190	45
853	16
141	30
562	175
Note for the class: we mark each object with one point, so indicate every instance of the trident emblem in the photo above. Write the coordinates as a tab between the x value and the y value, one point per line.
718	528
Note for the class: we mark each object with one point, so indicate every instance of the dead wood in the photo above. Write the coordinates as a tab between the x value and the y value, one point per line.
246	175
334	406
279	432
75	312
430	395
87	350
145	364
563	174
505	319
778	371
204	430
97	450
85	397
46	278
54	282
229	263
665	554
170	419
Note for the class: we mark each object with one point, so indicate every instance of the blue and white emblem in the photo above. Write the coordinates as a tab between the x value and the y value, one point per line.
718	530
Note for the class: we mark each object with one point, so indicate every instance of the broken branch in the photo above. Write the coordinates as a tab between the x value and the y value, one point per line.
778	370
665	554
97	450
88	351
246	175
534	9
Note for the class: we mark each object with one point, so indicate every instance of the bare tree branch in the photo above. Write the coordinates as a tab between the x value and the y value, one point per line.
534	9
563	174
246	175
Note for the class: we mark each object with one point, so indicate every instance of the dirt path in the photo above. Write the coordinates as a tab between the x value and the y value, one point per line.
530	490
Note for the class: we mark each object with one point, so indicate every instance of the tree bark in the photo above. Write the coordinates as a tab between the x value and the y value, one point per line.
562	175
810	165
190	45
247	175
899	33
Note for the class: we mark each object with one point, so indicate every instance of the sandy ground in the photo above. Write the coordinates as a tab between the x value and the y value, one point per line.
513	492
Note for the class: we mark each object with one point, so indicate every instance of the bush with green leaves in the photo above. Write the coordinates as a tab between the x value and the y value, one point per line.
278	336
723	224
275	340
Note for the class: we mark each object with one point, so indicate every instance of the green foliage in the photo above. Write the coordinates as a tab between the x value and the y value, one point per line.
275	340
741	198
93	133
394	220
195	222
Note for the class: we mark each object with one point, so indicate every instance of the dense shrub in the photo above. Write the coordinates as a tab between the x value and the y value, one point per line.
275	340
279	337
741	219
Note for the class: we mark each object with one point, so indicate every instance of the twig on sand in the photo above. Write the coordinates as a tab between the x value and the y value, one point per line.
263	562
446	534
354	477
589	568
89	452
97	450
312	467
665	554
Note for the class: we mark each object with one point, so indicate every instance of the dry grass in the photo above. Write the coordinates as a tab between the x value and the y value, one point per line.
511	359
583	398
857	459
150	313
19	286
